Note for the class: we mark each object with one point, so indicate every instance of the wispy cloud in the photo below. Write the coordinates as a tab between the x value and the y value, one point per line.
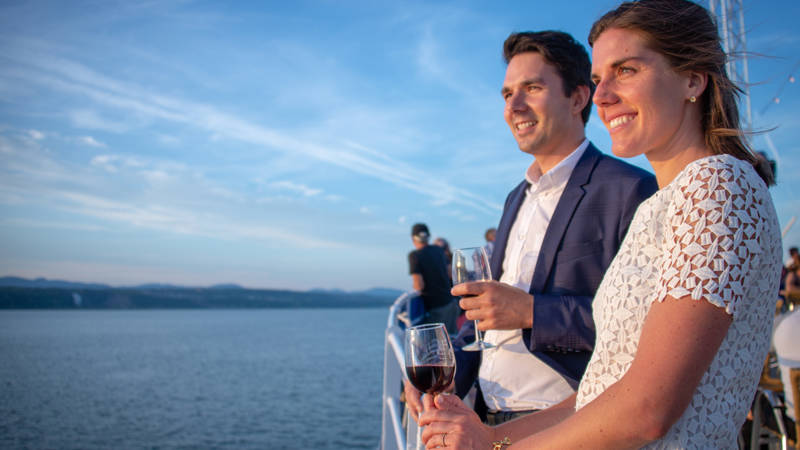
72	77
111	163
31	177
295	187
90	119
50	224
91	142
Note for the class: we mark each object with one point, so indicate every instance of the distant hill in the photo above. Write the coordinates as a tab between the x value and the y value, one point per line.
19	293
45	283
383	292
375	292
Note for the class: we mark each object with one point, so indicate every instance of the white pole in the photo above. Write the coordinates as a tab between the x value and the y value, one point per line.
788	226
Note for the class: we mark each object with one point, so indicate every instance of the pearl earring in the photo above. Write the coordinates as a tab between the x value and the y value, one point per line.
693	99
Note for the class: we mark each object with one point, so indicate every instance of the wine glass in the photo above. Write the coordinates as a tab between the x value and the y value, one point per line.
472	264
430	362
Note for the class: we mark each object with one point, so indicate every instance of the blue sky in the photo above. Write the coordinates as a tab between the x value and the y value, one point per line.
285	144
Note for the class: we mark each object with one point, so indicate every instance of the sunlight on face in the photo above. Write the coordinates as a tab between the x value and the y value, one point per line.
639	98
536	110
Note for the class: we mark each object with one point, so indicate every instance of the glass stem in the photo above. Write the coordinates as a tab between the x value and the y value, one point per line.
478	333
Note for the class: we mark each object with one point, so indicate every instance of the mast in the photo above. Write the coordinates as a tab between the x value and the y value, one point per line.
730	20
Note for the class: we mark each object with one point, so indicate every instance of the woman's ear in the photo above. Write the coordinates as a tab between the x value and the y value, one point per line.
697	82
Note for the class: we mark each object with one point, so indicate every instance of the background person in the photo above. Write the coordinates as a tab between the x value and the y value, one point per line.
489	235
791	280
428	268
448	255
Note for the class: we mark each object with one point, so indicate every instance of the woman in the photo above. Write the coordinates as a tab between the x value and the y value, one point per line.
683	314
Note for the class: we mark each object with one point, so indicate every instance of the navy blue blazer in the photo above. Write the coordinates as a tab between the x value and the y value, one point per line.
584	234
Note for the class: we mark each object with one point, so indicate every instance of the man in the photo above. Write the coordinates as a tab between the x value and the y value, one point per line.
559	231
428	268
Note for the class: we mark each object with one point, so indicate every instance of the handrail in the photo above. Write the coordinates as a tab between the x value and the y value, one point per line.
392	431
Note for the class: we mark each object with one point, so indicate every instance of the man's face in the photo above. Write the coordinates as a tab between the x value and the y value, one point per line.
537	111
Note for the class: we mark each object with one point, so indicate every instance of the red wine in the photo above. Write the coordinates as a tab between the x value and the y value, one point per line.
431	379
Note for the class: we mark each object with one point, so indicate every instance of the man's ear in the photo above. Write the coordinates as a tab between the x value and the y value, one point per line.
579	98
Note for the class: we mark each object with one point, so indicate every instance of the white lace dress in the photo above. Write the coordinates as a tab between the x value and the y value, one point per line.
711	234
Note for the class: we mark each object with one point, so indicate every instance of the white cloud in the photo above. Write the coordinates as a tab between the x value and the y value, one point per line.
32	223
112	163
86	118
105	162
295	187
36	135
91	142
333	198
168	140
155	176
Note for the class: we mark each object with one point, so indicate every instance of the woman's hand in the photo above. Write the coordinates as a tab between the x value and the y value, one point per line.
413	399
449	423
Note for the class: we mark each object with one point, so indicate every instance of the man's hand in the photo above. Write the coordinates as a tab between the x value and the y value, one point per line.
497	306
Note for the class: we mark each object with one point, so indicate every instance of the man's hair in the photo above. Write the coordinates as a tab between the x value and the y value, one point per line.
420	232
561	50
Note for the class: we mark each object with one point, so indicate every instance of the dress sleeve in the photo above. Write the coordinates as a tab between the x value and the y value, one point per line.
711	237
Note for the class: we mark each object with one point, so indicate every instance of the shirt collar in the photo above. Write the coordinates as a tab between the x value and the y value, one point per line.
559	174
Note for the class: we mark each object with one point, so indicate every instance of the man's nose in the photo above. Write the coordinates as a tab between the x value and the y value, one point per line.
516	102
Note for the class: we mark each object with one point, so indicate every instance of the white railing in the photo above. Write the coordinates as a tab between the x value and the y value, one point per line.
393	435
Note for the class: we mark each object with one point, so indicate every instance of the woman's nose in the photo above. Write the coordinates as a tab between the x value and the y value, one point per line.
603	94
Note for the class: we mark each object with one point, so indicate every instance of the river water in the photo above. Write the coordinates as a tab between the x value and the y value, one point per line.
261	378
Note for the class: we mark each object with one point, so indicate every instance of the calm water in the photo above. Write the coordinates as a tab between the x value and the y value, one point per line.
266	378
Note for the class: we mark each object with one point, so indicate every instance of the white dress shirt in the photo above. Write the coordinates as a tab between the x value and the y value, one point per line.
511	378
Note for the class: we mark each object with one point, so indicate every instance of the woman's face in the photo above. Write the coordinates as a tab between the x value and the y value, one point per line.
639	97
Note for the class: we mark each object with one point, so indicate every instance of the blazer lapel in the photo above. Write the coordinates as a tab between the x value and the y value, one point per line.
504	228
572	195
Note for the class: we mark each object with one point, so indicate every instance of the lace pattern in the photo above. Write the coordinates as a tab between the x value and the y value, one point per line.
713	235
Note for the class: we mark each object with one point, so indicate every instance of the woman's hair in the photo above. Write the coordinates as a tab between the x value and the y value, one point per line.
686	35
